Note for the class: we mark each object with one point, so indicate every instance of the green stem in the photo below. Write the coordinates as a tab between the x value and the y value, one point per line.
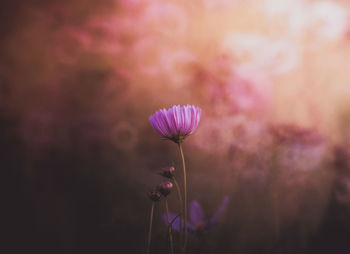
169	227
185	195
181	206
150	229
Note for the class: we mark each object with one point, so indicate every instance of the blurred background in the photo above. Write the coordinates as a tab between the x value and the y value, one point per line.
79	80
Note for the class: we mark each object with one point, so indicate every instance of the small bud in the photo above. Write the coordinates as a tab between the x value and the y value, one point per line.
154	195
168	172
165	188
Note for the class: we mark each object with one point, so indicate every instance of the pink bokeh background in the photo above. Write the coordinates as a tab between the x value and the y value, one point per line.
79	80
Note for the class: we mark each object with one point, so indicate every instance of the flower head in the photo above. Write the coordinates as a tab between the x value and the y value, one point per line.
177	122
165	188
197	223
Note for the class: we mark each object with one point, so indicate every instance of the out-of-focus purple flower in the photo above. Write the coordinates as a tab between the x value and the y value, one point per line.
165	188
177	122
197	222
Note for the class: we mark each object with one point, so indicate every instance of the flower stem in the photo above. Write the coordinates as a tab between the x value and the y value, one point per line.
169	227
185	195
150	229
181	206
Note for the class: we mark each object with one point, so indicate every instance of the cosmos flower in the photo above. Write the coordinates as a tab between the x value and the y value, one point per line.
177	122
197	223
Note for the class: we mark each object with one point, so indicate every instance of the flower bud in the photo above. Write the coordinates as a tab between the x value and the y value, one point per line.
168	172
165	188
154	195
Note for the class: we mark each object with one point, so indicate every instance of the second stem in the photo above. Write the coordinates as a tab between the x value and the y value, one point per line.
185	195
169	227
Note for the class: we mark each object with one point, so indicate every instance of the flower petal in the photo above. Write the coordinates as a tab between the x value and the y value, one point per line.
217	214
175	224
196	213
178	121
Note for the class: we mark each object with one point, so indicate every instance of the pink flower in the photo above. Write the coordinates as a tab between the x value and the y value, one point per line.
177	122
